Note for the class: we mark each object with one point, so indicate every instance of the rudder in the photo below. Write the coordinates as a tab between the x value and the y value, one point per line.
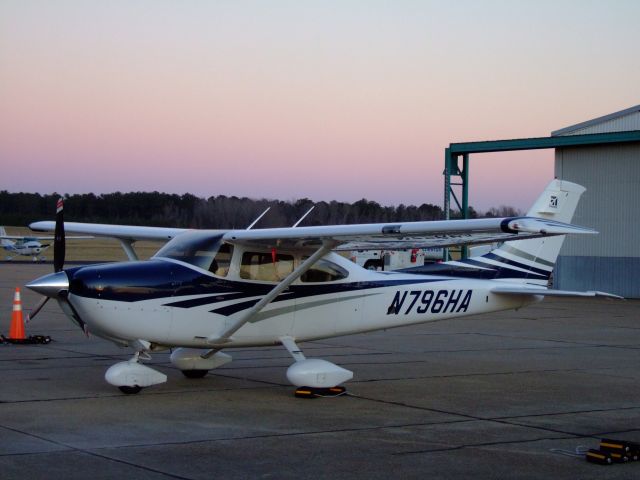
4	242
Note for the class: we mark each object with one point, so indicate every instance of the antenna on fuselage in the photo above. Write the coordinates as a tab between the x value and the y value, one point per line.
303	217
258	219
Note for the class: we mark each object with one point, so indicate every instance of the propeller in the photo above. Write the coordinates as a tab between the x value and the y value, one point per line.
59	248
59	245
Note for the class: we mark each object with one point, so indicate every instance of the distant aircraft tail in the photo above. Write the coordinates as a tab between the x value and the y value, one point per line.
4	242
532	261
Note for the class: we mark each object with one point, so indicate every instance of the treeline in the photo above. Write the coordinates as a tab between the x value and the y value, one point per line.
189	211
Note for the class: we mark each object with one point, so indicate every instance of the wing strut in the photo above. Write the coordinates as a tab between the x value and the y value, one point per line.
269	297
127	246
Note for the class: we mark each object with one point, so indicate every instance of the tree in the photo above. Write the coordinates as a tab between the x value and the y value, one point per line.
189	211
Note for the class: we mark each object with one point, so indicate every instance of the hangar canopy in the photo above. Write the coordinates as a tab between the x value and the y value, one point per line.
456	157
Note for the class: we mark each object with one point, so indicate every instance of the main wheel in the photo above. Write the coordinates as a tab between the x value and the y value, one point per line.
194	373
130	390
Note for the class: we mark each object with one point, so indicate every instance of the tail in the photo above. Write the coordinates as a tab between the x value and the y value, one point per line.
532	261
4	242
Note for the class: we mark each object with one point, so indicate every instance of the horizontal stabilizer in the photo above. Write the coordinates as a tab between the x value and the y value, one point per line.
546	227
516	290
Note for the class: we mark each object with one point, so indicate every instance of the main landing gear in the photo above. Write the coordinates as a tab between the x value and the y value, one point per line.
132	376
314	377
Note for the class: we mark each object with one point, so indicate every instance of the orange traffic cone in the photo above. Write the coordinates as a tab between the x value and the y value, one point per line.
16	331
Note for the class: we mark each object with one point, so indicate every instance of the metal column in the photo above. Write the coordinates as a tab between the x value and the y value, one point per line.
452	169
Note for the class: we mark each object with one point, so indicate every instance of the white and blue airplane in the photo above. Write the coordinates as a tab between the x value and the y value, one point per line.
27	246
21	245
207	290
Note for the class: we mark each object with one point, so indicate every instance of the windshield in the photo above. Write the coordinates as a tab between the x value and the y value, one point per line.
197	248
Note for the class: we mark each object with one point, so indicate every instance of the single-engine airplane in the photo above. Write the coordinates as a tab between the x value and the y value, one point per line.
26	246
207	290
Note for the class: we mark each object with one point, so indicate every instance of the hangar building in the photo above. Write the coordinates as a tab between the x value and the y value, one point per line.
609	261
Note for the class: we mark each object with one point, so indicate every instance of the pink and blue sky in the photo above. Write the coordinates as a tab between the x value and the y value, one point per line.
290	99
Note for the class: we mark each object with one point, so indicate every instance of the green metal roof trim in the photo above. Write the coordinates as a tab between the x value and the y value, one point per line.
544	142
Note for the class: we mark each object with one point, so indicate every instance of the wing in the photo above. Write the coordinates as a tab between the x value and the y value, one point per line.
18	237
69	237
14	237
440	233
124	232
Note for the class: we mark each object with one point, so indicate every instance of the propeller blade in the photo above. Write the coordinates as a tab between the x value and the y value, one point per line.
59	242
38	307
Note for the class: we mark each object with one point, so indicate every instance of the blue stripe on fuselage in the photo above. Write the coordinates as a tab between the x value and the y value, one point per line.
479	270
524	266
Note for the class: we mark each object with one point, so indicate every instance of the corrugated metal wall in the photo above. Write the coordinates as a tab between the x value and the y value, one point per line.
617	275
609	261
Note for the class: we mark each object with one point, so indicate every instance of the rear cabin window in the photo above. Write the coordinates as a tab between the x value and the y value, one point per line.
265	266
324	271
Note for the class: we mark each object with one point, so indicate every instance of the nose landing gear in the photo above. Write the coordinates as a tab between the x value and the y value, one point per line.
132	376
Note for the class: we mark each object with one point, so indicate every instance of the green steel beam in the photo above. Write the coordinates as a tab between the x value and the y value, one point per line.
452	168
464	174
544	142
464	252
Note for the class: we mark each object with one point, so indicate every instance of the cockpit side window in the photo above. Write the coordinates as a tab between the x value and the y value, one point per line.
266	267
324	271
222	260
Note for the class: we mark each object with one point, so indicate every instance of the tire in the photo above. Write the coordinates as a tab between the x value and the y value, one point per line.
195	373
126	389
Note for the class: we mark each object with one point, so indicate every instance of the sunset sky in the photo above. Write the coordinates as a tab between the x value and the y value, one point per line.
290	99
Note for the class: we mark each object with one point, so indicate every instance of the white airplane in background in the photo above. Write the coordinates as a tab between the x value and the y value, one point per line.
26	246
206	290
20	245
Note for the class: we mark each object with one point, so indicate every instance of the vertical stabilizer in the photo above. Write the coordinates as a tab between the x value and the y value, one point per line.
532	261
4	242
558	201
